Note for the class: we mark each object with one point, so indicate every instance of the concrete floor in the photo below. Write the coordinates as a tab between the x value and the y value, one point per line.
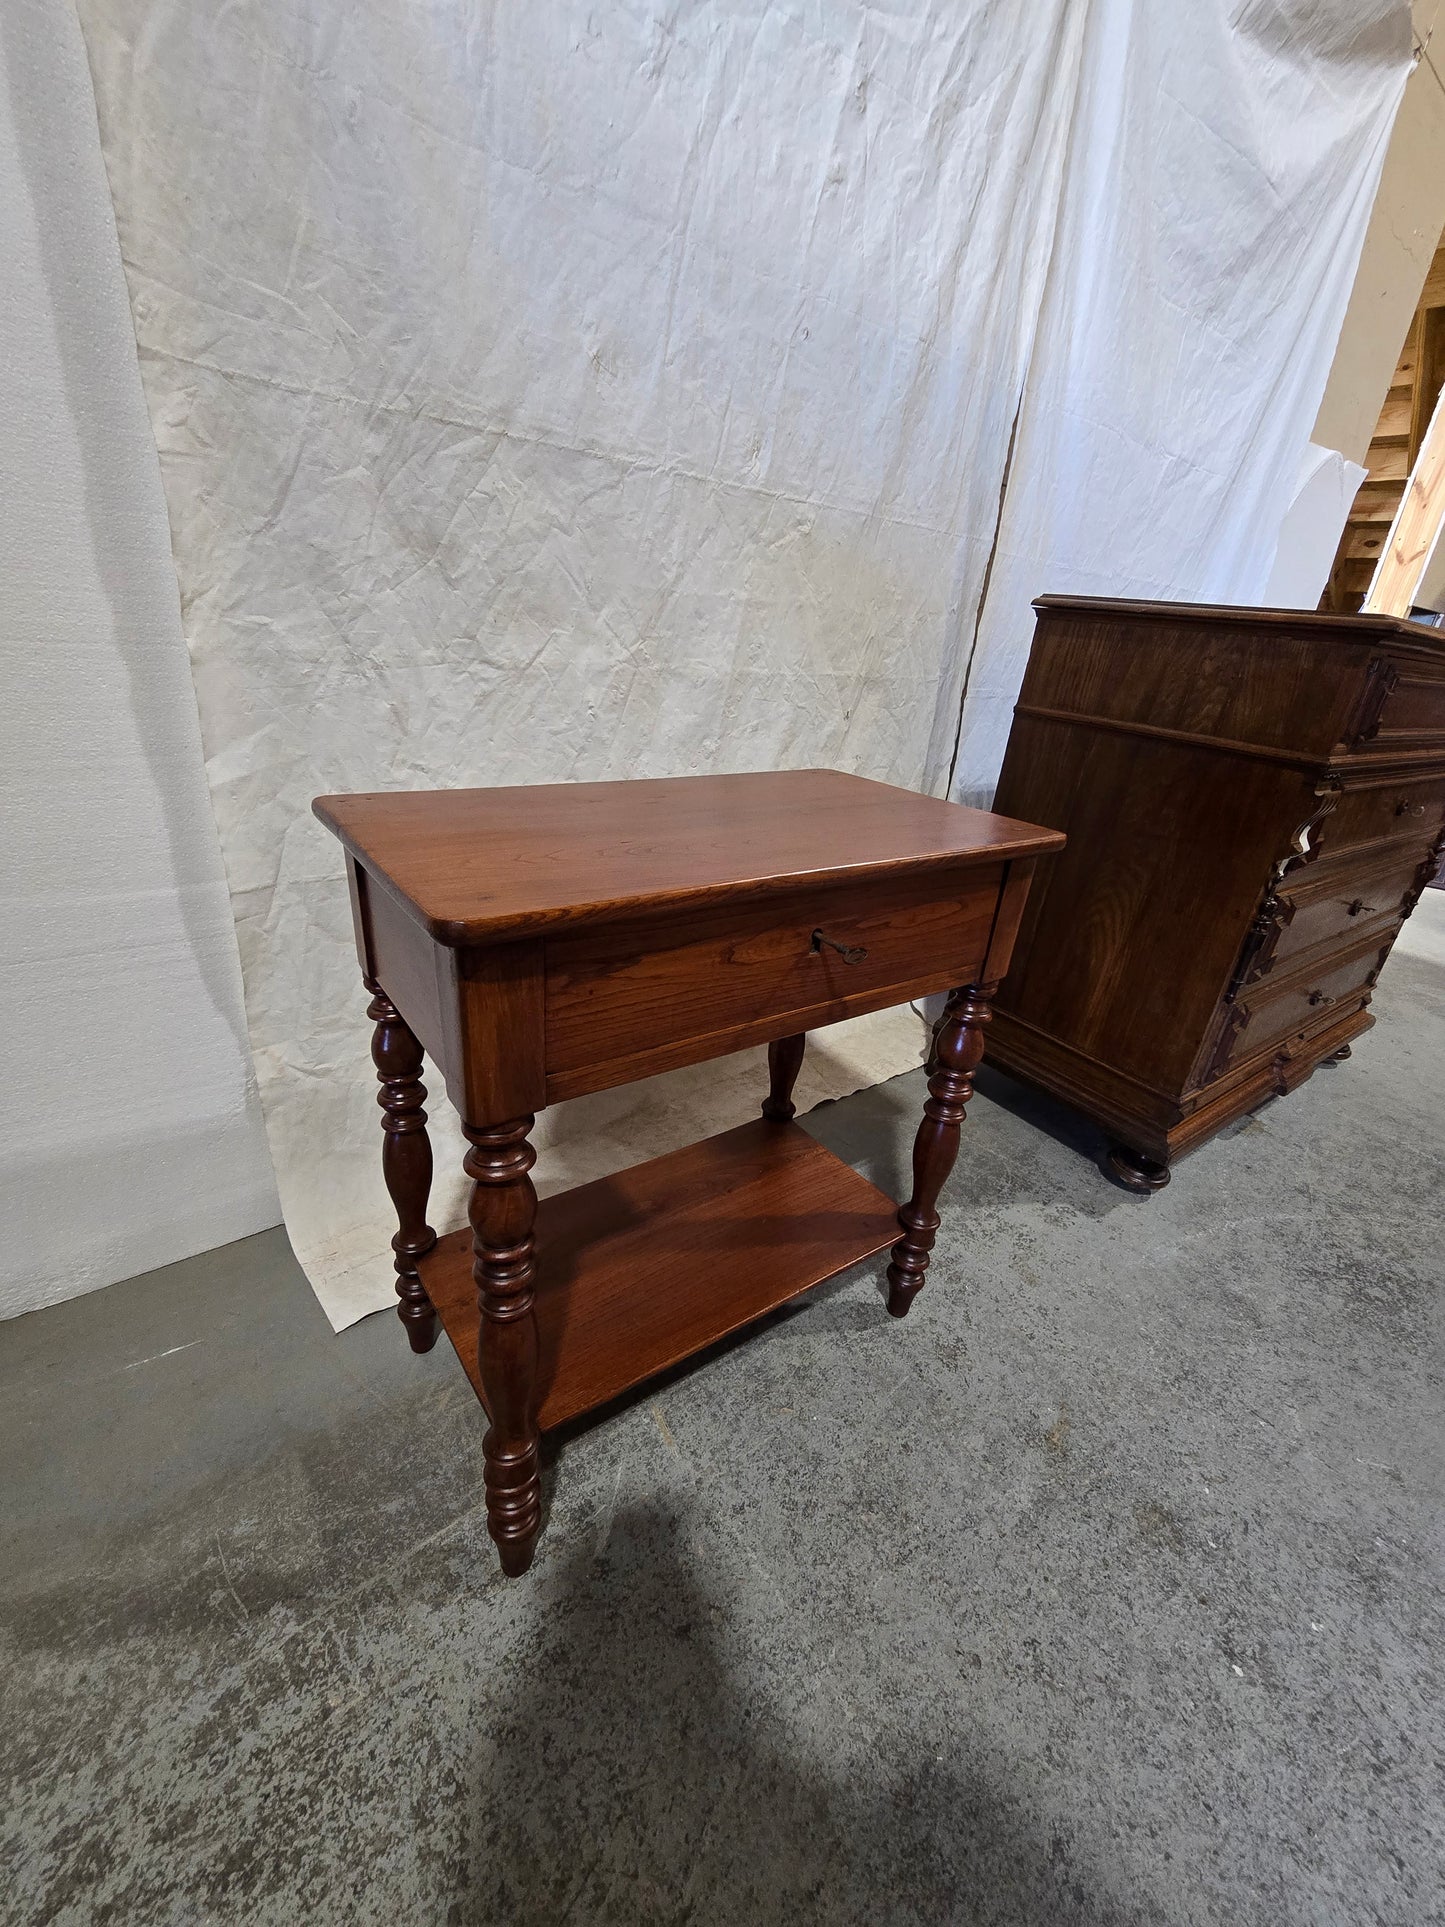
1107	1588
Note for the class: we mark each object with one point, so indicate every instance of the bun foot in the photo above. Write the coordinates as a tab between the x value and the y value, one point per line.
1339	1056
1134	1171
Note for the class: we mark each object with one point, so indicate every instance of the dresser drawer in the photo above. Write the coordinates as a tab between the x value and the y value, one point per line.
1334	903
1413	712
1405	809
625	1000
1273	1010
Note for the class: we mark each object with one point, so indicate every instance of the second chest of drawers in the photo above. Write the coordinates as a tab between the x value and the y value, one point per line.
1254	801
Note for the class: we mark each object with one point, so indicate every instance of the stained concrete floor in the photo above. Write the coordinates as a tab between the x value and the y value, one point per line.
1106	1588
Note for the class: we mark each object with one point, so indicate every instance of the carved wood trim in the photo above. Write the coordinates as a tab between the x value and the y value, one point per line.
1430	867
1380	680
1276	913
1235	1019
1256	955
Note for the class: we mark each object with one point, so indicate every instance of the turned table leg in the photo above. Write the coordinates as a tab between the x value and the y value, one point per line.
405	1159
503	1210
957	1052
785	1060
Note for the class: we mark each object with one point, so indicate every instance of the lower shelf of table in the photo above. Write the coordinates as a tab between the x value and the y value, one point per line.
640	1270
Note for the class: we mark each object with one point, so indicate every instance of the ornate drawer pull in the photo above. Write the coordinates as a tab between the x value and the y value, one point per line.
1354	908
851	953
1319	997
1402	808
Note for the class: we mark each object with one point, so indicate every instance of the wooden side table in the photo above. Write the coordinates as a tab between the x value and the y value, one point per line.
540	943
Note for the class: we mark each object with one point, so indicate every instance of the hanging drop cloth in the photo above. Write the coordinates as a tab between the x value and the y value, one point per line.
1222	166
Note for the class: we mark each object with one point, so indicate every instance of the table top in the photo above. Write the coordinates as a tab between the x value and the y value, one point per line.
482	865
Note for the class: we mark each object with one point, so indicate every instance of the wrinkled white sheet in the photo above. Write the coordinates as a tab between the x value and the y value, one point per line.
1325	488
563	391
1224	162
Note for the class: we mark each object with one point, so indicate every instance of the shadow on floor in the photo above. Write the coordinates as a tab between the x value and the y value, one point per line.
1002	1159
1063	1124
630	1776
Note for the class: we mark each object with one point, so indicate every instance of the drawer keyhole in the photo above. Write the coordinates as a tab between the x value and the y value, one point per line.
851	953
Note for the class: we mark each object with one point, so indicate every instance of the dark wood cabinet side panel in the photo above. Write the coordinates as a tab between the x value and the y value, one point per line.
1050	789
1293	693
1134	929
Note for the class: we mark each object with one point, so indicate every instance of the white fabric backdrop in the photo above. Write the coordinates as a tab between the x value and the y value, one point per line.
1223	163
1326	483
550	392
130	1134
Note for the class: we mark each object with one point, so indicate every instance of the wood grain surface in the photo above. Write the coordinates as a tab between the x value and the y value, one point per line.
540	943
714	980
640	1270
1252	798
1367	630
480	865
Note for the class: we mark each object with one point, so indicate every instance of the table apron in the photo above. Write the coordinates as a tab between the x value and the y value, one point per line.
516	1026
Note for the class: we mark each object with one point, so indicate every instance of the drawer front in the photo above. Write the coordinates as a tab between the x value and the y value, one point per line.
629	999
1270	1011
1334	903
1407	809
1413	711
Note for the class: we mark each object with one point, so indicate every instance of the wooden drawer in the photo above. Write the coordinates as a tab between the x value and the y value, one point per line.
626	1000
1273	1010
1413	712
1414	809
1332	904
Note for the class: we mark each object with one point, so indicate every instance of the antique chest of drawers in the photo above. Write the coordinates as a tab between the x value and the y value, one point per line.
1254	801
